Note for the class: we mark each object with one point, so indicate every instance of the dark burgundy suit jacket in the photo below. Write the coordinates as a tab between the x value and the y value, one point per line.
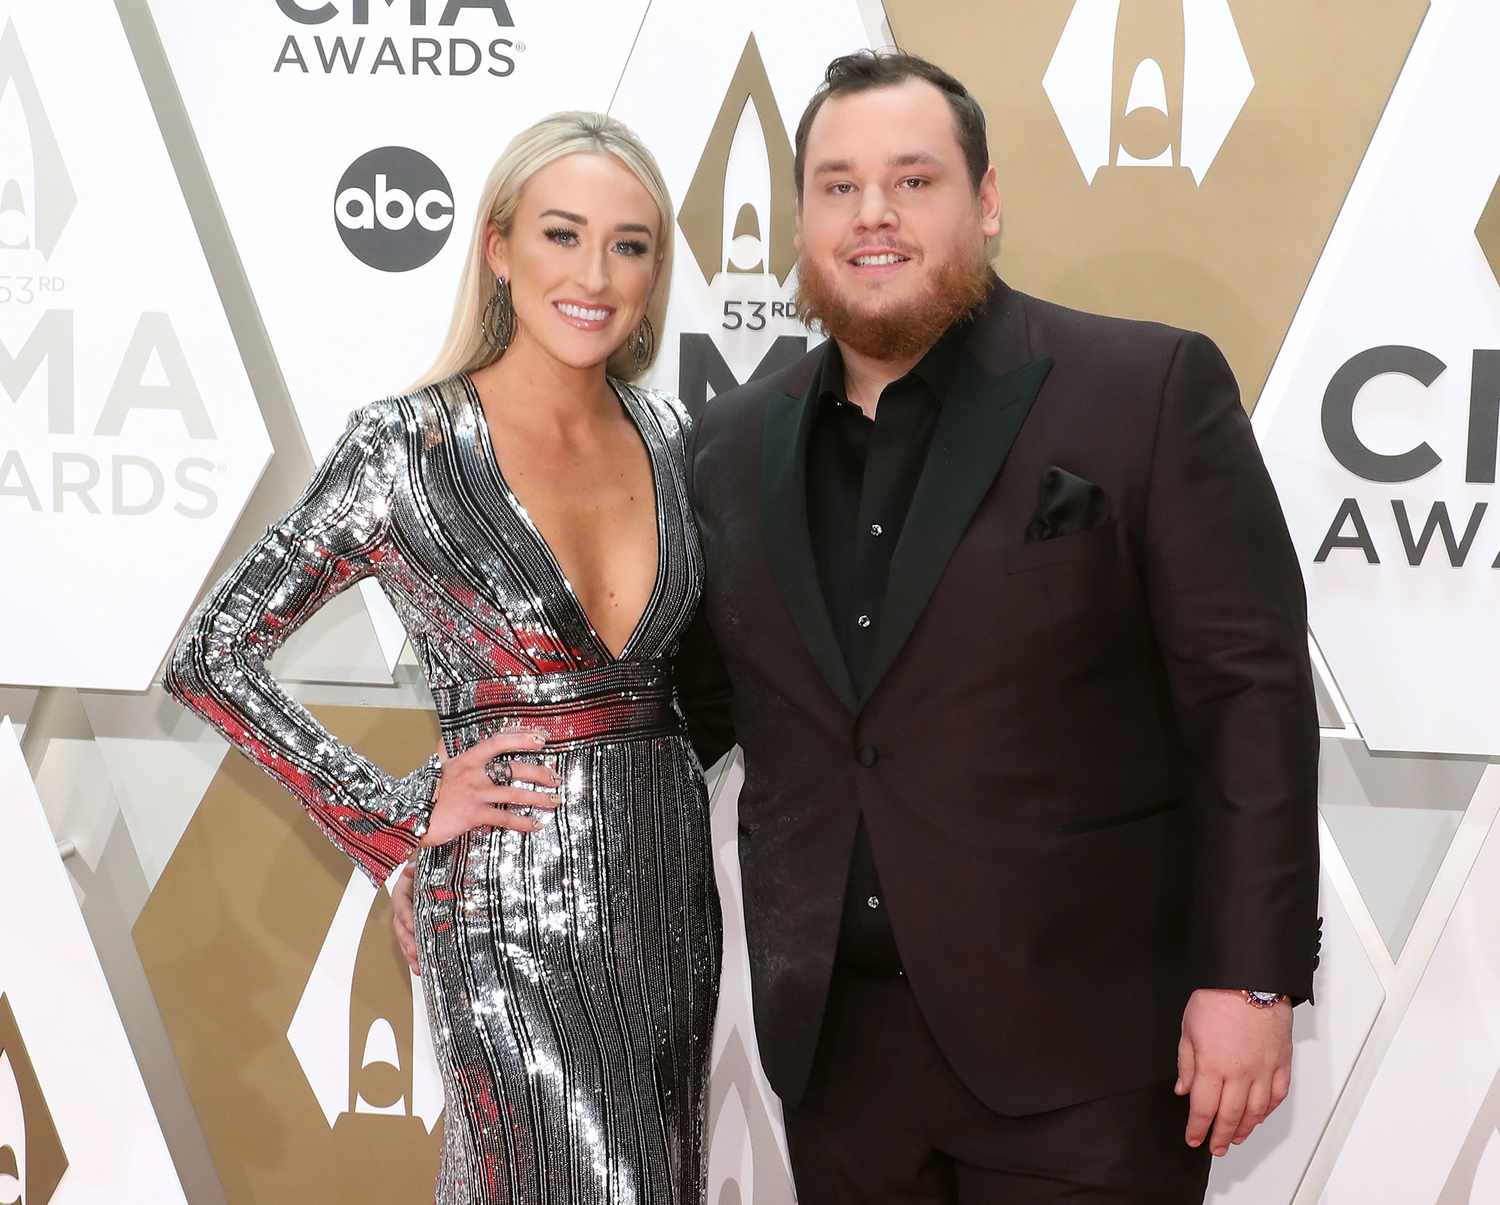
1088	763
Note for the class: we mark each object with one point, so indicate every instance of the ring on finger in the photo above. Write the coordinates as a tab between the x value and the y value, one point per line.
498	771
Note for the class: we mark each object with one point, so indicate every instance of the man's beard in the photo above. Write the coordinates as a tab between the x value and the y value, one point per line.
900	331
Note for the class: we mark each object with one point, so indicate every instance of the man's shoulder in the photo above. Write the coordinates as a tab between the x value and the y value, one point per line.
1056	329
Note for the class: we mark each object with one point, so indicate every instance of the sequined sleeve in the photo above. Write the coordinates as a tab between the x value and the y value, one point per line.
337	533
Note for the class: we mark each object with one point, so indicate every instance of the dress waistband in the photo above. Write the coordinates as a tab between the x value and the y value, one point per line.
626	700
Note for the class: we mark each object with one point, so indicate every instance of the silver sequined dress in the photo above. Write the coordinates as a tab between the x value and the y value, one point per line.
570	974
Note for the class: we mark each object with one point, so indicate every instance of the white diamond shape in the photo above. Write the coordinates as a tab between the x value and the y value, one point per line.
319	1031
1217	81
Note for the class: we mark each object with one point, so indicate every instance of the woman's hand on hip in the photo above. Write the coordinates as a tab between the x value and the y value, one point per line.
468	796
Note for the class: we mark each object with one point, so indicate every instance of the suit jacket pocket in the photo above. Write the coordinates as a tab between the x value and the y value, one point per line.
1021	558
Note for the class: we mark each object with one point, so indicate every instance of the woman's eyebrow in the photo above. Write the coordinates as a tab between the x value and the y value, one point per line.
579	219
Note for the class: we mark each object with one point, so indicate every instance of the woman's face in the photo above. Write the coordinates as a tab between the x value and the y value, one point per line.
581	258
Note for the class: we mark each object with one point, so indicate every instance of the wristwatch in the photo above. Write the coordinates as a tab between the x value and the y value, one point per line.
1263	999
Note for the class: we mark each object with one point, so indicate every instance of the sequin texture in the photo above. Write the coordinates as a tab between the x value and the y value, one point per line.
570	974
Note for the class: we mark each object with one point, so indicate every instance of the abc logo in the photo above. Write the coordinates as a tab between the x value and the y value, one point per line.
393	208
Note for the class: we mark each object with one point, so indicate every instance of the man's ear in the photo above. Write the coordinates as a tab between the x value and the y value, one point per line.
989	202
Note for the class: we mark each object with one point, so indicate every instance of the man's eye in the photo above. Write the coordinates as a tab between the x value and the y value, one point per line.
913	182
843	188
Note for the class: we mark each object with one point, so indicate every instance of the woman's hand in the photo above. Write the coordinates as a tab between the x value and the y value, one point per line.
401	917
467	798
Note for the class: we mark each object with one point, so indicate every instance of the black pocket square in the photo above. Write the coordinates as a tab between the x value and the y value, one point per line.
1065	503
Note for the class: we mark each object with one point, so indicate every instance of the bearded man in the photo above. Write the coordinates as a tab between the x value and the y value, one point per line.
1011	632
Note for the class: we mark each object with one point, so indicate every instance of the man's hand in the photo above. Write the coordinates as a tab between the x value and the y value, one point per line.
1235	1061
401	920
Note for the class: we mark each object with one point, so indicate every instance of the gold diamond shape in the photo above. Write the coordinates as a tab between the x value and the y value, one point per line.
229	938
1488	231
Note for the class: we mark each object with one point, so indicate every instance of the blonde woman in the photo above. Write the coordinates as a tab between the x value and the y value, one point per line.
524	508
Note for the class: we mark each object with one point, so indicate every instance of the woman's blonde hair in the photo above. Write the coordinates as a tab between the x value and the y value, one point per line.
466	347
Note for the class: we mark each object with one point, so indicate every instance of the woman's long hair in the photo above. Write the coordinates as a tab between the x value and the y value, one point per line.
466	348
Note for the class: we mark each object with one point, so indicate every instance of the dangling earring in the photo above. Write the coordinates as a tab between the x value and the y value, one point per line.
643	343
499	318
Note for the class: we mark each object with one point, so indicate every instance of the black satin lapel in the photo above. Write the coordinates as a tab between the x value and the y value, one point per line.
789	541
972	440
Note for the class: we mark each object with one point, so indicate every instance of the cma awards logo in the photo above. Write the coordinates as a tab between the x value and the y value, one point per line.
1418	534
359	1032
739	220
36	194
39	341
32	1159
393	209
345	45
1144	84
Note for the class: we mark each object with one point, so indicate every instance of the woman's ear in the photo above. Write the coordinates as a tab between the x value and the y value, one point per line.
497	252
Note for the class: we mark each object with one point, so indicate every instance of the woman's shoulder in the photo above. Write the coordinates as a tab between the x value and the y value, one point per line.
426	408
667	407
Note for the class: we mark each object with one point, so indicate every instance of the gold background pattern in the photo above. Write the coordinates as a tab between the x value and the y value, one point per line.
1231	256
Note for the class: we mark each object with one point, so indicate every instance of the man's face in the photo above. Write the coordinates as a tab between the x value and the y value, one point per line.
888	207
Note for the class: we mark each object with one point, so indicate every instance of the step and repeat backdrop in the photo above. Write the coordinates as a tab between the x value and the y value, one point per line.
223	227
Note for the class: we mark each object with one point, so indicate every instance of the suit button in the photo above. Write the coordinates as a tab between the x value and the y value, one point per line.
868	755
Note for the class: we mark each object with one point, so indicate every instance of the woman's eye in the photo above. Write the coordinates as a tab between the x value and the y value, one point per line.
563	236
631	247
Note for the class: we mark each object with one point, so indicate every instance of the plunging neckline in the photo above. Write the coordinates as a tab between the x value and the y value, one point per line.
545	546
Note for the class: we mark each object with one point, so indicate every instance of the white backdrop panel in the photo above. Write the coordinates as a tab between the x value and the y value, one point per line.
1428	1132
1404	292
85	1072
278	142
129	438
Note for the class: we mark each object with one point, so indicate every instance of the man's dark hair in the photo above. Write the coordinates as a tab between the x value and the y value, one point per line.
866	69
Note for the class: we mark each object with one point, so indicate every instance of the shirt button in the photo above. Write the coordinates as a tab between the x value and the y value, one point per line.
876	529
868	755
863	621
873	902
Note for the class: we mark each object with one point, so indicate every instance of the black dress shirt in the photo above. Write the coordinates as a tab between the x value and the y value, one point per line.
861	474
